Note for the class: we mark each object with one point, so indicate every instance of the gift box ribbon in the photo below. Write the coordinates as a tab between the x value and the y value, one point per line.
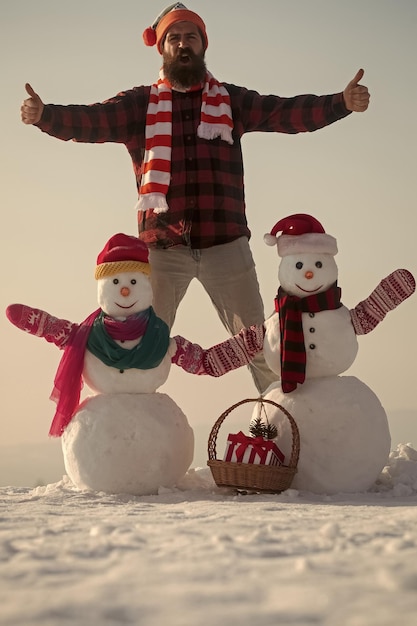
257	443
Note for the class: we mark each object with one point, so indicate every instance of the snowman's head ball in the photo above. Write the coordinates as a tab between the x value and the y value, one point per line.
124	294
307	252
306	274
122	273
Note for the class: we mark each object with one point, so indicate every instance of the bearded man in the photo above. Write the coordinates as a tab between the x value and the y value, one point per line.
183	134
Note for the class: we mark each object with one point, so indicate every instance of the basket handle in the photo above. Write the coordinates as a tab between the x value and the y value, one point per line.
295	451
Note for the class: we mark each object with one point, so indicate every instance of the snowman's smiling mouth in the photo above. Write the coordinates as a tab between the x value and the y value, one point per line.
311	290
125	307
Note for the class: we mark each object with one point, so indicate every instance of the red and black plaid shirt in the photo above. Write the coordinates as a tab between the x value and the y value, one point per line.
206	195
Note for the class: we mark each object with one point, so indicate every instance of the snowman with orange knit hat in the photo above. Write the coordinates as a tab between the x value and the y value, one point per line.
126	437
309	341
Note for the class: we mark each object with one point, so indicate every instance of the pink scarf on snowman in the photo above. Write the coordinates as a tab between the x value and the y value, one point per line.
68	379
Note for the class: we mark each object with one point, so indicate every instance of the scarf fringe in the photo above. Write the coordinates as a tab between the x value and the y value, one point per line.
212	131
152	201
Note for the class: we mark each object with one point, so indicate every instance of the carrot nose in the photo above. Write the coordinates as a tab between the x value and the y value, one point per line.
125	291
309	274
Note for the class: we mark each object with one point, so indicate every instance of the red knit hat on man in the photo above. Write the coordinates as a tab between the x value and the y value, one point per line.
176	12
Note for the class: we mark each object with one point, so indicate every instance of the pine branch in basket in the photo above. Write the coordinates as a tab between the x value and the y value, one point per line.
258	428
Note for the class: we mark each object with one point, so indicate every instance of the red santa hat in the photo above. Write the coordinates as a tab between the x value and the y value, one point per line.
122	253
174	13
301	233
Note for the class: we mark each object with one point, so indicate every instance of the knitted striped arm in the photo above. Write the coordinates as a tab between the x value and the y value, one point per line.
390	292
222	358
40	323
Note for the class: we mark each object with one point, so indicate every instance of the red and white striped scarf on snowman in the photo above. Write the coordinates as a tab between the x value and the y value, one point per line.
216	121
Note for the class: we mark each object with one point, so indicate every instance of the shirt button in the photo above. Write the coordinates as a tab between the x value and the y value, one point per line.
188	137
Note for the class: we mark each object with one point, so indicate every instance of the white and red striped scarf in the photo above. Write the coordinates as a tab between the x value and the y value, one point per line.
216	121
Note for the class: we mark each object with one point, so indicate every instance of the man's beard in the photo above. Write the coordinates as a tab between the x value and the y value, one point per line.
181	76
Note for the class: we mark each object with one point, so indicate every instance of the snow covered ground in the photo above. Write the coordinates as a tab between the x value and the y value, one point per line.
198	555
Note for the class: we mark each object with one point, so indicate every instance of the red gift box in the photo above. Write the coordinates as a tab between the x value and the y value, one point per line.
244	449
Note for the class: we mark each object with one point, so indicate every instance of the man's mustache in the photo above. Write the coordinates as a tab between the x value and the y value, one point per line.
186	52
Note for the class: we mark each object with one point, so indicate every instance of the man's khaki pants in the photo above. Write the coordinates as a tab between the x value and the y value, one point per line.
227	273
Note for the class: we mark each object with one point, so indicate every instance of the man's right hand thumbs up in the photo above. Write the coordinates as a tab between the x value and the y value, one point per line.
32	108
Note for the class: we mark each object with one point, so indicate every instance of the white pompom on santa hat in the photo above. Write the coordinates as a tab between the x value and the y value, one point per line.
301	233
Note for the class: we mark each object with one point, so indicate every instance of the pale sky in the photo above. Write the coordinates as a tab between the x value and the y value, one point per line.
62	201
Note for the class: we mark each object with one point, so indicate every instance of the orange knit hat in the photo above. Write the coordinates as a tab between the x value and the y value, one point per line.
122	253
176	12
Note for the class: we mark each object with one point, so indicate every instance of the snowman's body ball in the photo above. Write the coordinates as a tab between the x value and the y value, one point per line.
128	443
329	338
344	433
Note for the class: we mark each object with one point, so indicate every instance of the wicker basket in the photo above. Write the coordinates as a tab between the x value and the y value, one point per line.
272	479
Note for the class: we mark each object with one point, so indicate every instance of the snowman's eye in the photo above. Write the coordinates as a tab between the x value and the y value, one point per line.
133	281
299	265
115	281
319	264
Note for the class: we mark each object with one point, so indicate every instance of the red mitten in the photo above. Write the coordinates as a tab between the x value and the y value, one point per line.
40	324
222	358
189	356
390	292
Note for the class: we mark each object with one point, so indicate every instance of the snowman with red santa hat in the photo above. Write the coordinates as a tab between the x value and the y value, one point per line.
310	340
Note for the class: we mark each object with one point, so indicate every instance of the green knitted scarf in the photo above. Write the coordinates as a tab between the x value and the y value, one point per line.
146	355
